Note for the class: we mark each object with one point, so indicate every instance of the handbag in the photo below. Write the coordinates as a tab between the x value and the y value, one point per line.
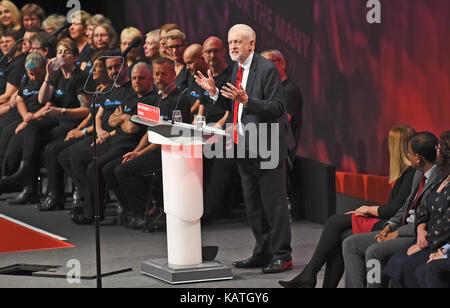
363	224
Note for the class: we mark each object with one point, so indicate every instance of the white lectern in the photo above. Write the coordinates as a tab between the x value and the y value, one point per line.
182	165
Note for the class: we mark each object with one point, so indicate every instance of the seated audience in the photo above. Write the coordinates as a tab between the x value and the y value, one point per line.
29	33
432	224
399	231
436	272
152	45
362	220
61	88
12	67
132	175
163	38
81	153
32	16
10	17
53	23
104	37
55	173
28	108
176	44
134	55
77	32
44	43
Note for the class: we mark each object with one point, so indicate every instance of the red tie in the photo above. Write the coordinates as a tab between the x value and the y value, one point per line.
421	186
236	106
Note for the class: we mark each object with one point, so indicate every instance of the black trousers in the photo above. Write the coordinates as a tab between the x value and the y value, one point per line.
265	200
131	181
84	170
55	171
6	135
434	275
220	188
28	144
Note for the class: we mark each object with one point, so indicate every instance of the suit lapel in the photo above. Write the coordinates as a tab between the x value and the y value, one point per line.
252	75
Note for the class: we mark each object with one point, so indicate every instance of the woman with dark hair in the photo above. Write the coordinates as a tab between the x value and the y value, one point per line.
55	173
432	224
341	226
62	88
12	66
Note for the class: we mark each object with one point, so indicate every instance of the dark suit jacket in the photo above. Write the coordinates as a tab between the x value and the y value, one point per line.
265	105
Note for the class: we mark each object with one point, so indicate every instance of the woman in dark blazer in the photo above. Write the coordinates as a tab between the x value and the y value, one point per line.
339	227
432	224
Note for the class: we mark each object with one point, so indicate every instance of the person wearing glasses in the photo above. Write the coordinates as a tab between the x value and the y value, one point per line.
44	43
176	44
61	89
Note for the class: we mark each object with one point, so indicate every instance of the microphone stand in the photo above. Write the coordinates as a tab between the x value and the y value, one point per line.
97	189
97	198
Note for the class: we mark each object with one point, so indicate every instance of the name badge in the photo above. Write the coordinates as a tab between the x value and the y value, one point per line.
148	112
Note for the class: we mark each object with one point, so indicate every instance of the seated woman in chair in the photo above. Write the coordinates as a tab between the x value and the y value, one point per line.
339	227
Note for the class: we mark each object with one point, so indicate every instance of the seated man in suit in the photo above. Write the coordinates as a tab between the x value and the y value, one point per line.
361	250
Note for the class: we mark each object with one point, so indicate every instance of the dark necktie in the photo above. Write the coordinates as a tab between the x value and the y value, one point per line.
236	105
421	187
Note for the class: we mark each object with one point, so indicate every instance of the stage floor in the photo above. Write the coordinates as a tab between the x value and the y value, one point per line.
122	249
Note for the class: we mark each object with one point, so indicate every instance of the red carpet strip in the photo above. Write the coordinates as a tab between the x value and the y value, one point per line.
16	236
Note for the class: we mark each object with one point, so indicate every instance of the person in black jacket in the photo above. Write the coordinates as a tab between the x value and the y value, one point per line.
432	224
339	227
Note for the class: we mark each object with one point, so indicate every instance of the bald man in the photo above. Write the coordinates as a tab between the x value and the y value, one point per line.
194	61
125	138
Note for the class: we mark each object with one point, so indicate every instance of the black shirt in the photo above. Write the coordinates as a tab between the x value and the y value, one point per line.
196	93
12	72
181	81
66	92
294	105
174	101
131	109
29	91
119	96
214	111
85	56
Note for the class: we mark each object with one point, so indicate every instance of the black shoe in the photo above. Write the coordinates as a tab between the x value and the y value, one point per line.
80	219
153	215
278	266
52	203
302	280
27	196
77	207
252	262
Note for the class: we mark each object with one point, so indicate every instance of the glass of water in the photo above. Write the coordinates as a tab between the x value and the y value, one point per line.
200	122
176	116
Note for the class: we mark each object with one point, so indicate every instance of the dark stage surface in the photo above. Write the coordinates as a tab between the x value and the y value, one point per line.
123	249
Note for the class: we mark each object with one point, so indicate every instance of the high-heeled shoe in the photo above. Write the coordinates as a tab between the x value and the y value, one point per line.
303	280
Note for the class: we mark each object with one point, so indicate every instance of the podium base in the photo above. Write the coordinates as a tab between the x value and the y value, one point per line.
208	271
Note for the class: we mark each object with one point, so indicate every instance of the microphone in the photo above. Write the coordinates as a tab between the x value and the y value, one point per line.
63	27
134	43
179	97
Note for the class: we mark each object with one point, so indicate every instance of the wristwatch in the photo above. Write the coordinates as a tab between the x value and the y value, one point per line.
84	131
63	111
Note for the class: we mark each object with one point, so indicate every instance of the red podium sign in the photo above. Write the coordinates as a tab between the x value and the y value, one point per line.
148	112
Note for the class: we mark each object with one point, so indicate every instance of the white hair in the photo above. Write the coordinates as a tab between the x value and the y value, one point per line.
245	30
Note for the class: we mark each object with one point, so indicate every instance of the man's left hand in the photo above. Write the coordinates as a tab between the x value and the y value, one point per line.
235	94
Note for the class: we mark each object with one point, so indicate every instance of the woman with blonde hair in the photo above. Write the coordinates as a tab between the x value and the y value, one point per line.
10	17
135	54
364	219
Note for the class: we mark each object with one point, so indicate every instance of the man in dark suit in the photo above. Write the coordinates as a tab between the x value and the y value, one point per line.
361	250
257	110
